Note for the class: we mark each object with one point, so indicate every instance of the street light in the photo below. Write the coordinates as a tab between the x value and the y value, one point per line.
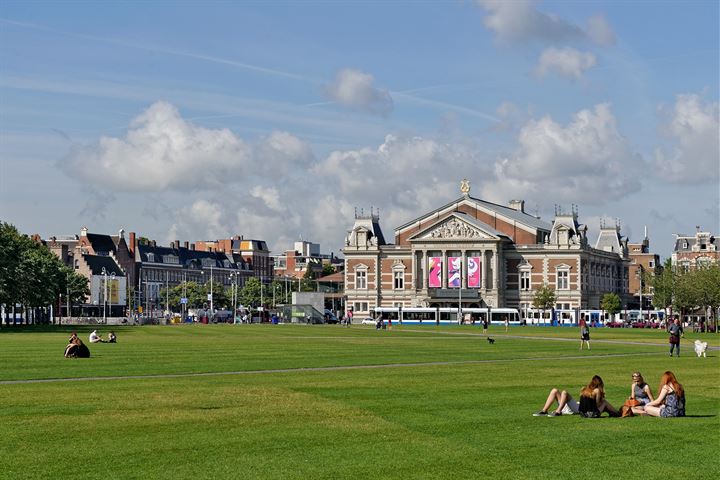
105	291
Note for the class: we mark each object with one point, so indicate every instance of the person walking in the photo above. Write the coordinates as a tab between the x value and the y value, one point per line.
584	333
485	325
507	323
676	331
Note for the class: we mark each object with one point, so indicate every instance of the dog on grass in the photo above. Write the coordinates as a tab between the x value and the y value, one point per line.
700	348
491	341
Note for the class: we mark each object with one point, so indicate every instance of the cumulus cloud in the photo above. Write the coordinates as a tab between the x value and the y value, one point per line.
588	161
520	21
355	89
567	62
694	128
162	151
202	220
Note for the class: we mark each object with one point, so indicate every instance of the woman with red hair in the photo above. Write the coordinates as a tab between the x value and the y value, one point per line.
670	401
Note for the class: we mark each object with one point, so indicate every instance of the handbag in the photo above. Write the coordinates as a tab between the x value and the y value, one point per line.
626	410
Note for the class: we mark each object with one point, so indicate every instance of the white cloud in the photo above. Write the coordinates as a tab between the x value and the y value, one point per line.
587	162
202	220
696	156
162	151
356	89
520	21
567	62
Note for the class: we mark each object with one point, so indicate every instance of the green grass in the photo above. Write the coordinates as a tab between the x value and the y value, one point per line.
469	416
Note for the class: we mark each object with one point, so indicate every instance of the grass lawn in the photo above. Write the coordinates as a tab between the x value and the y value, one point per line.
288	401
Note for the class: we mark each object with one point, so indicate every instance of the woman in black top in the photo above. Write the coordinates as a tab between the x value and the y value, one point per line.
592	400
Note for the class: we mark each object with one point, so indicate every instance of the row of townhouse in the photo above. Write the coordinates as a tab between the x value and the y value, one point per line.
133	272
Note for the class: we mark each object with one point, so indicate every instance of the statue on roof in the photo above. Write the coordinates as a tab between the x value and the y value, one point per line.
465	186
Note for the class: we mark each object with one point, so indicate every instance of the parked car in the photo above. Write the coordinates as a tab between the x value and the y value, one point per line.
330	317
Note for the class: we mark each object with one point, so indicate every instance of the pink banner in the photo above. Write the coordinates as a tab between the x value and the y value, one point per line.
454	271
473	277
435	272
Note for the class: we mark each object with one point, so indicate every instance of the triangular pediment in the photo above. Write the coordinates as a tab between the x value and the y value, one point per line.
456	226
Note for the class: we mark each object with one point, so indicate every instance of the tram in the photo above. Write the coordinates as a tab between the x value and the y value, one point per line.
447	315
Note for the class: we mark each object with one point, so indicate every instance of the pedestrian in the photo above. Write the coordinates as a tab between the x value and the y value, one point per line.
485	325
676	331
584	332
507	323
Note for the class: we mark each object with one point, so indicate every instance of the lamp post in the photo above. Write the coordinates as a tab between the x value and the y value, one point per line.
212	310
105	293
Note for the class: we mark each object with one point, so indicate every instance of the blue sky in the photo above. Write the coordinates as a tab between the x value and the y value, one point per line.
275	120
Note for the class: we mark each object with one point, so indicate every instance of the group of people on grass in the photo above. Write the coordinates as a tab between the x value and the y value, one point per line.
670	401
77	349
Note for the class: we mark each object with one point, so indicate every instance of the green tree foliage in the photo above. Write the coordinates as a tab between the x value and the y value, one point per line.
250	293
328	269
544	297
611	303
663	284
308	284
31	275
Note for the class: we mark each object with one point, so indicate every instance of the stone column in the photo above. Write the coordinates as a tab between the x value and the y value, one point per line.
424	269
496	273
483	269
443	284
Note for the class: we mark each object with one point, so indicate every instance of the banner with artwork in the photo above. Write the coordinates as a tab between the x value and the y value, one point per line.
454	271
434	272
473	276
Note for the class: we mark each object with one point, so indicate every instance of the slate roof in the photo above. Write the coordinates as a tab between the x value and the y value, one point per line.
98	262
511	213
190	258
101	243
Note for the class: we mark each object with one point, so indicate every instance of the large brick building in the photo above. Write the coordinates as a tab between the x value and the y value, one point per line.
497	255
693	251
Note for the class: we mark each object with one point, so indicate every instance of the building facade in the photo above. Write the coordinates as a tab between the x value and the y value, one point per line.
694	251
475	253
643	266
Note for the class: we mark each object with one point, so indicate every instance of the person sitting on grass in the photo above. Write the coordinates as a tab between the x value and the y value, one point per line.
112	338
670	401
593	402
639	390
566	404
95	338
76	348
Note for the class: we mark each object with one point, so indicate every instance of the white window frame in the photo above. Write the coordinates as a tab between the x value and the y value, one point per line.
525	275
361	279
398	279
562	279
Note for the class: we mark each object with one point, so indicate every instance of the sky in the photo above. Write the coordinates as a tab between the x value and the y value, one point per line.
279	120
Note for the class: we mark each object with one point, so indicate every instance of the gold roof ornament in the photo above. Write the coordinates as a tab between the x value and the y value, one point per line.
465	186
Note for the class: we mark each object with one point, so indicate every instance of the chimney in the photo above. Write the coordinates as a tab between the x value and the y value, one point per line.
153	243
172	245
518	205
177	244
187	245
192	246
131	245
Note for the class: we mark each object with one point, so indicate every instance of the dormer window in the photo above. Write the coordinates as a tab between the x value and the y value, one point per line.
151	257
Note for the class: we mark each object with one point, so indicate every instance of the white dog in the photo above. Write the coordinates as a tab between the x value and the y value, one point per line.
700	348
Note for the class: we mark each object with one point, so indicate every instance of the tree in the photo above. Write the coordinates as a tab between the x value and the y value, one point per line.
250	294
544	297
663	284
611	303
328	269
307	284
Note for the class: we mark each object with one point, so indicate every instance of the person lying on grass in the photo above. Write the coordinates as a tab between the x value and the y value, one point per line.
566	404
593	402
670	401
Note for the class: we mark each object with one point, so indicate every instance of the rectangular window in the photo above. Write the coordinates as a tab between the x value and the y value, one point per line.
361	279
562	279
360	307
524	280
399	280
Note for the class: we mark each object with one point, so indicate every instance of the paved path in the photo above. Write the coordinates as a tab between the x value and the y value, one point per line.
321	369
